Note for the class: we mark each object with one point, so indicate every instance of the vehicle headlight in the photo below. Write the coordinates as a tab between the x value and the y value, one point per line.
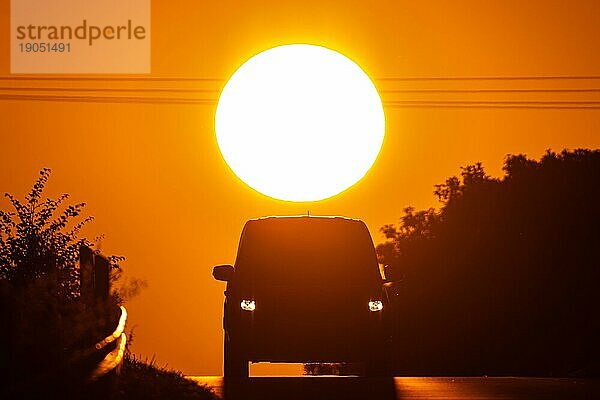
375	305
248	305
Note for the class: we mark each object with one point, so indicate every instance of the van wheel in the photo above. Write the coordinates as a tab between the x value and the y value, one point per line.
235	363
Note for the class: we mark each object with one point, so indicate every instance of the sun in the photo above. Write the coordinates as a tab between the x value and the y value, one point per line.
300	122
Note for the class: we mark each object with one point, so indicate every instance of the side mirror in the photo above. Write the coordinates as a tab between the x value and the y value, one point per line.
388	275
383	271
223	272
393	280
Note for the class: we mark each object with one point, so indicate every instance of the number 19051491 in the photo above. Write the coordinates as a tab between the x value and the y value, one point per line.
44	47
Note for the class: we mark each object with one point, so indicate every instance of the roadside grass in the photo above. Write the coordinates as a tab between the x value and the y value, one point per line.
143	379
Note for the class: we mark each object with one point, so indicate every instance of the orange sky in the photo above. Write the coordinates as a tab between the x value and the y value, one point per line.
160	191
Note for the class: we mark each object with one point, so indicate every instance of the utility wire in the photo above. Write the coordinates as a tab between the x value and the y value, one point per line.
506	106
394	102
108	78
195	90
102	94
209	79
491	78
391	104
535	90
559	105
88	89
108	99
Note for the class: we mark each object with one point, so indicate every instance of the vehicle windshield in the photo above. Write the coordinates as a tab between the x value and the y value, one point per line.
307	251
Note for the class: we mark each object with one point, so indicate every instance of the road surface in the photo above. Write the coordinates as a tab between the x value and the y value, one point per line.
343	388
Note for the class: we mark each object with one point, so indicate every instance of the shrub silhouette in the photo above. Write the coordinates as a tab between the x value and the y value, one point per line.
503	279
45	325
35	243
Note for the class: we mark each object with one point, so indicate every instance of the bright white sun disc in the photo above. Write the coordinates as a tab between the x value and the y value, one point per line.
300	122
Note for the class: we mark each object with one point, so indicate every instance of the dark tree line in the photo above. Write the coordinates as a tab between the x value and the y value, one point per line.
505	278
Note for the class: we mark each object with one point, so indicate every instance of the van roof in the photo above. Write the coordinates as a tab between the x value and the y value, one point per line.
276	218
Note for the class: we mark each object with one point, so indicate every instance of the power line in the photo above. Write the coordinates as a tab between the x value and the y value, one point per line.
108	99
497	105
388	104
88	89
108	78
490	102
535	90
507	106
196	90
212	79
491	78
559	105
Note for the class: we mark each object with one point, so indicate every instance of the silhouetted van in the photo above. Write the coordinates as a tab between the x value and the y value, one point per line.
304	289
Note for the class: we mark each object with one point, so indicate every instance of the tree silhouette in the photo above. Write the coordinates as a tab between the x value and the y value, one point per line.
502	279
